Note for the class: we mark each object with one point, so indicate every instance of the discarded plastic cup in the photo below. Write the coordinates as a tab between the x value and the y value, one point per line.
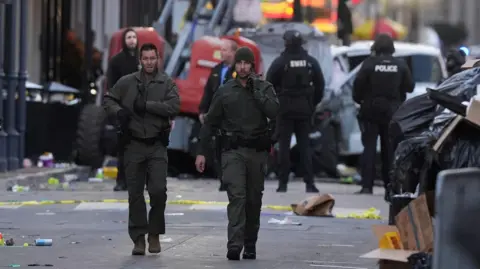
43	242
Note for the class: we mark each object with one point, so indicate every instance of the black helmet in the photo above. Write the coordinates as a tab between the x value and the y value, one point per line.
383	44
293	38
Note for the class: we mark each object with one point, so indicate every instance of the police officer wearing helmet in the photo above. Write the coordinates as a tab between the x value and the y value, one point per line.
241	109
380	87
298	80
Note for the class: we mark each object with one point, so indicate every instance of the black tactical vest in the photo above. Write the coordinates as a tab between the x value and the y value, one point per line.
296	95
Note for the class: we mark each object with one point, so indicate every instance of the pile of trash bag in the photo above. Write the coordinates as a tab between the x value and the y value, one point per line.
417	125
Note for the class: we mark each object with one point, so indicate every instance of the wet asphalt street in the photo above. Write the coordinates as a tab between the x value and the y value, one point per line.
93	235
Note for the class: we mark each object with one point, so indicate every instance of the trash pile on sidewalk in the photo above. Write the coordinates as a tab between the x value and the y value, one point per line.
437	131
408	244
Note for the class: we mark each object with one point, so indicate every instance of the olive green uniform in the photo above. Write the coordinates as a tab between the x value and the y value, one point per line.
242	113
146	159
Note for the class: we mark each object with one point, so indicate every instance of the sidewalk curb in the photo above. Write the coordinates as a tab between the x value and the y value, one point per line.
34	180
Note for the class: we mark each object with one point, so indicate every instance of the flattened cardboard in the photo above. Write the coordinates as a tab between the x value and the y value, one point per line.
470	63
473	116
446	133
320	206
415	226
398	255
473	111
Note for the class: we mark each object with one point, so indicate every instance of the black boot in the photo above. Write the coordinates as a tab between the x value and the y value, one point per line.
233	254
365	191
249	253
139	247
282	187
311	188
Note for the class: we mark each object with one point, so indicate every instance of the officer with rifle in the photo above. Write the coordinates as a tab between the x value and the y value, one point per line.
241	110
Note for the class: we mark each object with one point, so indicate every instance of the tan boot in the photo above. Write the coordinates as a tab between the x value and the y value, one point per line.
154	243
139	247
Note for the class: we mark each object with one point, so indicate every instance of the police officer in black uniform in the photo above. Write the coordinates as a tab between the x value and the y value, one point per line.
298	80
380	88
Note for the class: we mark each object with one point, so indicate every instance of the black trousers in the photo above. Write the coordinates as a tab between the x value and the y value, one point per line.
217	158
146	164
301	129
370	133
121	180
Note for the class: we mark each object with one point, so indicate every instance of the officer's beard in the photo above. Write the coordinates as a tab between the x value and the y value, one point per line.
243	74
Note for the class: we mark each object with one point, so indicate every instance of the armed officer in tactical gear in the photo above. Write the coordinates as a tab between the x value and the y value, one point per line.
241	109
299	82
380	87
144	102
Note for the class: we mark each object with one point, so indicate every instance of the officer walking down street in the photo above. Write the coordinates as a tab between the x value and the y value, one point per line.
220	74
241	109
298	80
144	102
380	88
123	63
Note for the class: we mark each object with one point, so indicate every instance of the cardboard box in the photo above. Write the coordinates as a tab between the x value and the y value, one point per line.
414	225
320	206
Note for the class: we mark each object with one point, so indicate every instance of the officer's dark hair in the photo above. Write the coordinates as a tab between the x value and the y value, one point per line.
148	47
383	44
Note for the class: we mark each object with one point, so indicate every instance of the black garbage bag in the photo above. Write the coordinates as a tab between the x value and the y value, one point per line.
462	148
421	260
416	115
408	164
416	126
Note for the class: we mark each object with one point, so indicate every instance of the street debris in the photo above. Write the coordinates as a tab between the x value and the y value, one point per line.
43	242
10	242
46	213
18	188
371	213
46	160
285	221
40	265
166	240
320	205
174	214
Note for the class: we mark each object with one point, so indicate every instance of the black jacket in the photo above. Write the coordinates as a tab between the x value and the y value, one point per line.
278	76
213	83
381	86
123	63
161	98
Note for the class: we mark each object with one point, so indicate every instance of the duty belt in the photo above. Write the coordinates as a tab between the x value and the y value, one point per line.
262	143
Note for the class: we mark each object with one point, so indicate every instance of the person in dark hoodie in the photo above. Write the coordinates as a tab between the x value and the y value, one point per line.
220	74
124	63
299	83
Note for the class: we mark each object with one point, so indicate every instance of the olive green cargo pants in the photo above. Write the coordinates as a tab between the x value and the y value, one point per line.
146	163
244	175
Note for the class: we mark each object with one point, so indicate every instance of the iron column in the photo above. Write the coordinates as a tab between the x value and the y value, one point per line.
11	75
3	135
22	79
